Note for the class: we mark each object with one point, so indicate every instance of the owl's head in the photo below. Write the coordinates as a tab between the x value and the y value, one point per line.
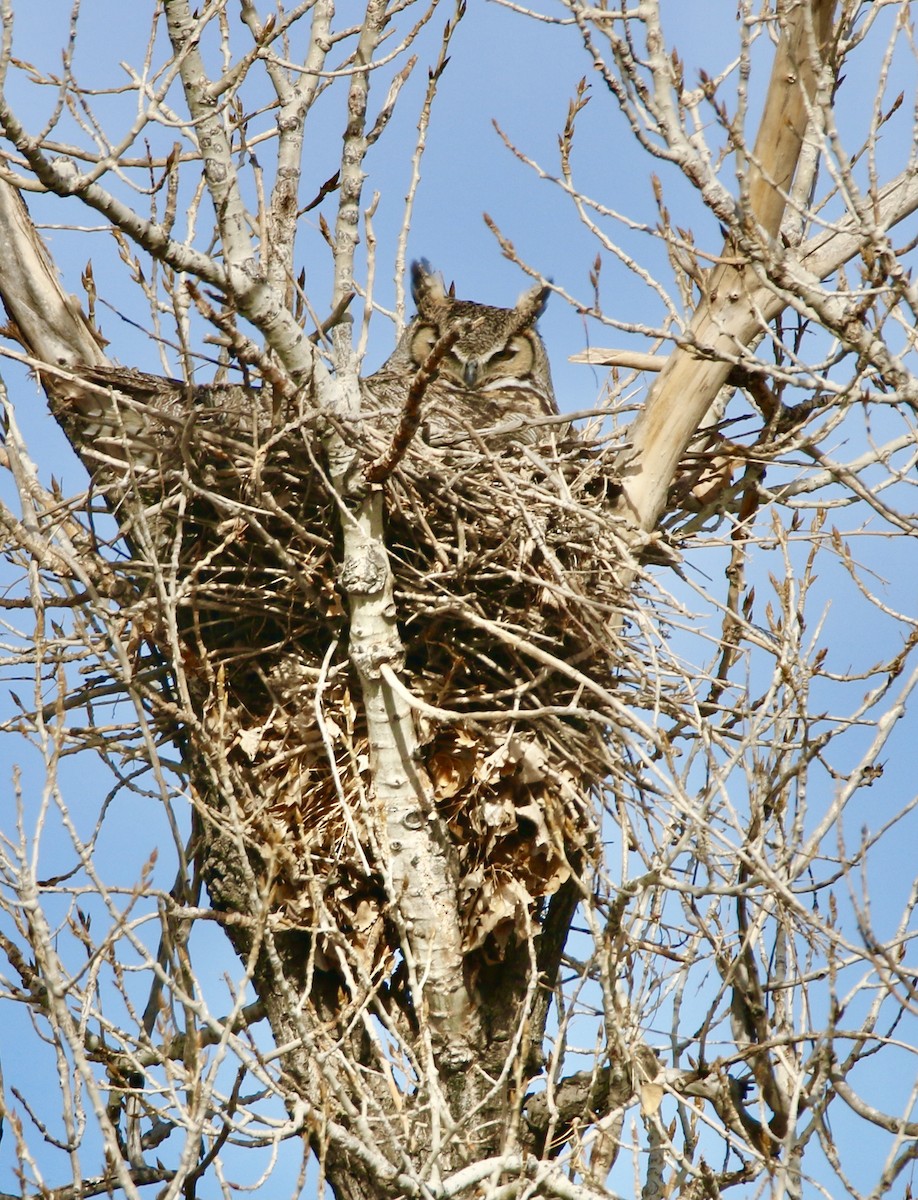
496	345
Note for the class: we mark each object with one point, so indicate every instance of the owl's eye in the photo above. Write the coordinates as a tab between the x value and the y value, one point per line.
423	341
516	356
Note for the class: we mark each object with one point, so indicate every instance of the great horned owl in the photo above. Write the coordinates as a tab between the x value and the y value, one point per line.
494	378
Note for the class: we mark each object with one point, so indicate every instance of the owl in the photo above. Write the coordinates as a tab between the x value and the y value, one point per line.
494	380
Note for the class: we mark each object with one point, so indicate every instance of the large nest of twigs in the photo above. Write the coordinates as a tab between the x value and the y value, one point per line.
506	568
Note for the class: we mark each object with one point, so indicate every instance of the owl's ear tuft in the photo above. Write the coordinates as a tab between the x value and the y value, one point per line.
531	304
426	286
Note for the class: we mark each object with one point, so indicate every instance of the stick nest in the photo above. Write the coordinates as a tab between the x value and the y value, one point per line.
507	566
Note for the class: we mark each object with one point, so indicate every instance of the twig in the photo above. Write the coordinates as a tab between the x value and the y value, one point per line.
380	468
100	1185
244	348
420	146
334	317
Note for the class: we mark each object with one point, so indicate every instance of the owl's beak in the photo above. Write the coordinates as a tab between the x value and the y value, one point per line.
470	372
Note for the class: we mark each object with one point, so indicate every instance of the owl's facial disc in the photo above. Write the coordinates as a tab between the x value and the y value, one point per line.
474	366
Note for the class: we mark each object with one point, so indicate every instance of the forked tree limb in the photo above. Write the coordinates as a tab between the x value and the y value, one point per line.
729	316
802	272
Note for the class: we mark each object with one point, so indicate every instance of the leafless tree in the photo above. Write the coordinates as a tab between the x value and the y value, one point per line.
500	819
